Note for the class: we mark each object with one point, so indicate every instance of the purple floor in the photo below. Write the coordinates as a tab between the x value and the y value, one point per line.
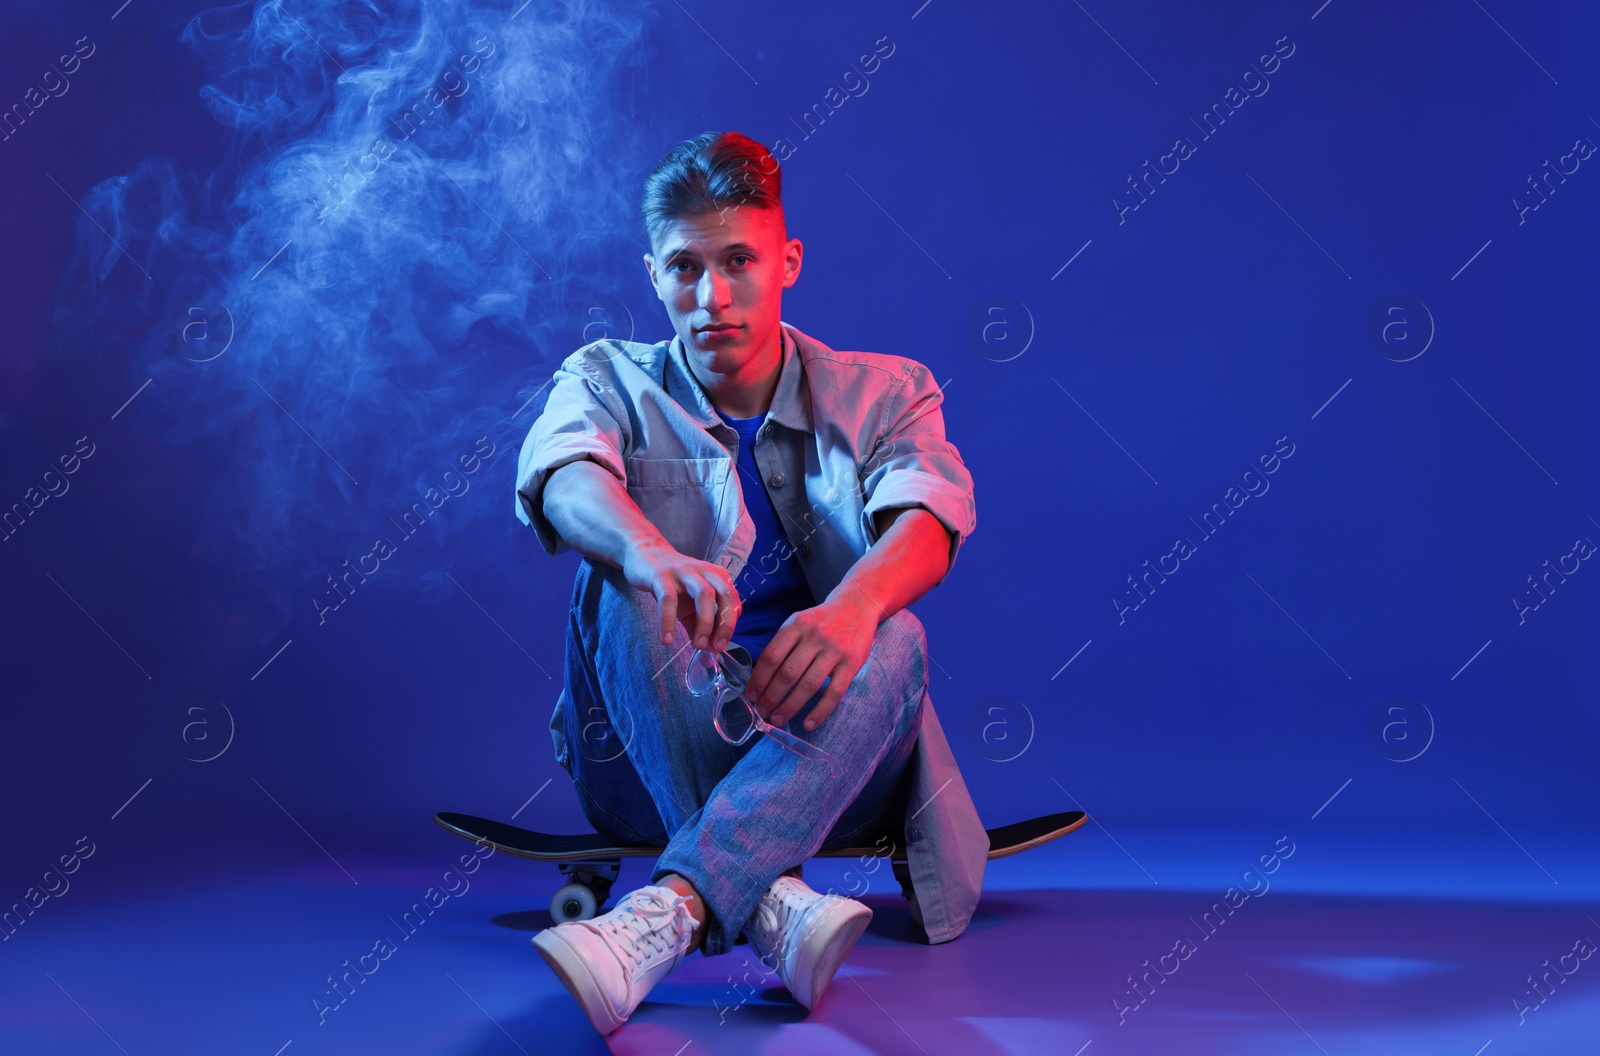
1360	945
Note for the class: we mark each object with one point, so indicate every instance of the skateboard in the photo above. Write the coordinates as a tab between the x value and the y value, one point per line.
590	862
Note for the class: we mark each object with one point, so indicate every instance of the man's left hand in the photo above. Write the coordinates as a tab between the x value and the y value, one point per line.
829	642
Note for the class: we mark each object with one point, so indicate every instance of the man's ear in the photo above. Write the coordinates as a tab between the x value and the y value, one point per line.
650	267
795	249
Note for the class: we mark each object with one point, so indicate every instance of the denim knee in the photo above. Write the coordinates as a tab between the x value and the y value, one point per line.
609	599
901	645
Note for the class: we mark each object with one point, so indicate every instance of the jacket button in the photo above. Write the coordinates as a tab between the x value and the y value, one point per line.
914	834
804	550
777	480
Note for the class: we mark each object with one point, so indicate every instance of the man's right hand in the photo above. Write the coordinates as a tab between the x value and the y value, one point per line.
590	508
698	593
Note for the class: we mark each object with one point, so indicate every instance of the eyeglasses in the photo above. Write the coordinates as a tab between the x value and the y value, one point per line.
723	680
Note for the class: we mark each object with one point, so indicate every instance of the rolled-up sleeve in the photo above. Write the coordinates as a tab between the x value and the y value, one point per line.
914	465
582	418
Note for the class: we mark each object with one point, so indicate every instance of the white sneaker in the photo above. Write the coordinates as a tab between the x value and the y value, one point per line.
611	962
804	935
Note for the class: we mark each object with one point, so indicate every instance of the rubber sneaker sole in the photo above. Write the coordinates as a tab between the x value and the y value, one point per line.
573	971
853	918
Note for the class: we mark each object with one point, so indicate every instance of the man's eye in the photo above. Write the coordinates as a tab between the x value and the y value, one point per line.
742	256
674	266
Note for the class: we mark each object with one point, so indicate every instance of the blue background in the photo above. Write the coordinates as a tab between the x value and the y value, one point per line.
163	210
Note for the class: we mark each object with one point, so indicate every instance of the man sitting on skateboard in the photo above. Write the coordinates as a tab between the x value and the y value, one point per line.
746	491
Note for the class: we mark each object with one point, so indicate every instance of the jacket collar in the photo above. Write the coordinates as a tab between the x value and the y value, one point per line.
791	401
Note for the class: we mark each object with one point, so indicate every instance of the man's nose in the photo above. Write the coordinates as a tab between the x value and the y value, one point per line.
712	292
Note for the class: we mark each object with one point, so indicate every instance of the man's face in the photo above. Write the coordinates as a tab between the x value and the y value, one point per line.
721	277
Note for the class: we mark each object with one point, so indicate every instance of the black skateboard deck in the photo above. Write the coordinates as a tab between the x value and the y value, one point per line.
545	847
591	862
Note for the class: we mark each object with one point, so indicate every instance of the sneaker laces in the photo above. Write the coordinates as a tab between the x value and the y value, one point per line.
649	924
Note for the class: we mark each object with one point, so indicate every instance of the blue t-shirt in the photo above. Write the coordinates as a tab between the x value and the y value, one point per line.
772	584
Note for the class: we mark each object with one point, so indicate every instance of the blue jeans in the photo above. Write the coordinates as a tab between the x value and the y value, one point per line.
649	768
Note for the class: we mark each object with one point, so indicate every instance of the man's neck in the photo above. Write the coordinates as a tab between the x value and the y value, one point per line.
749	392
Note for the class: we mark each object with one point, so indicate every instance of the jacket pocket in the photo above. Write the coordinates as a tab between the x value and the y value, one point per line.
684	498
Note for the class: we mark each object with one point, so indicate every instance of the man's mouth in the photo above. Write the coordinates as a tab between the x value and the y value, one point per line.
717	328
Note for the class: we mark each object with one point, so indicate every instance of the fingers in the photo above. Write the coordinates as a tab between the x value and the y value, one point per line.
766	668
717	609
705	611
668	599
729	607
802	686
829	700
705	600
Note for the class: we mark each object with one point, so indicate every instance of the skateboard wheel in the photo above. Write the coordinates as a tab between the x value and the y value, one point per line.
572	902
